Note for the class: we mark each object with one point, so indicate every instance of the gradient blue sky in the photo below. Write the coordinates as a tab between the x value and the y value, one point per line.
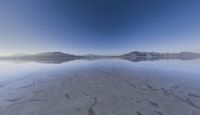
99	26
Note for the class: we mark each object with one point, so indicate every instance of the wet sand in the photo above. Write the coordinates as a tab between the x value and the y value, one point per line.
106	89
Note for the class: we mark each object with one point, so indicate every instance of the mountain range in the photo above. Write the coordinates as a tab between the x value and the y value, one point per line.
58	57
155	55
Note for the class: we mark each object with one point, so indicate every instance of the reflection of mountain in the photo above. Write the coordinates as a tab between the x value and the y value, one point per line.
59	57
44	61
142	56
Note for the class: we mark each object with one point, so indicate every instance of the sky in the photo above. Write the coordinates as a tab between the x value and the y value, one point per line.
99	26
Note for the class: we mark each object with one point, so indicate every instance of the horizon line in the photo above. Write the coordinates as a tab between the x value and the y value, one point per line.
27	53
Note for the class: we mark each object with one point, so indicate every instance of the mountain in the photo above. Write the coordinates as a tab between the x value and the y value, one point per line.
42	56
154	55
59	57
52	55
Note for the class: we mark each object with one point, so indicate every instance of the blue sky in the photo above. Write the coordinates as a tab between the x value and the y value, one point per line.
99	26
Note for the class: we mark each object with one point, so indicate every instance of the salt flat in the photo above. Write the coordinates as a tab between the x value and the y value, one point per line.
101	87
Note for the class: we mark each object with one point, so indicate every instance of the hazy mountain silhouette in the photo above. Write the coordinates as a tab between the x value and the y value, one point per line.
154	55
135	56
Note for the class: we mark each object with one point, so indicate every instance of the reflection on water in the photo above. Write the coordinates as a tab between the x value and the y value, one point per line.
11	70
14	69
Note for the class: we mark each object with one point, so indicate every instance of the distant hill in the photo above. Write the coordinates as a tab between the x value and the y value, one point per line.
154	55
45	55
52	55
58	57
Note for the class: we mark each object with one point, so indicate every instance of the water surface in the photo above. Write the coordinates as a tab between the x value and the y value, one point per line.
11	70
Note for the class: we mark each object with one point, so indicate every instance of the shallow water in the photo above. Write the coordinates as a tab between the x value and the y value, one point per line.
11	70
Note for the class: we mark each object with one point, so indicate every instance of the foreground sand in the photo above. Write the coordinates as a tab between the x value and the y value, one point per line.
111	89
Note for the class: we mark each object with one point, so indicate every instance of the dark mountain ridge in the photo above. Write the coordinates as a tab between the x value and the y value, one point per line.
155	55
135	55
